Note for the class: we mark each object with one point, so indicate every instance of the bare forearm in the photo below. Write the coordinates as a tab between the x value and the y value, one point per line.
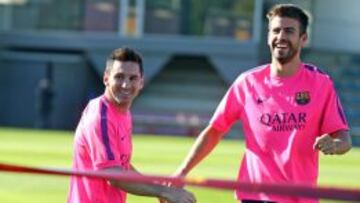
342	142
205	143
136	188
141	189
336	143
169	194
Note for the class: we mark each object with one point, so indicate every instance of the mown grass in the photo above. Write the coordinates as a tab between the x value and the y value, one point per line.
158	155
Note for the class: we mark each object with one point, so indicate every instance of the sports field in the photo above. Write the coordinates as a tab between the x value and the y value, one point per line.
158	155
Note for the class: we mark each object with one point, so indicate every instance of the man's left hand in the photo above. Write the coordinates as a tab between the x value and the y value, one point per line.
326	144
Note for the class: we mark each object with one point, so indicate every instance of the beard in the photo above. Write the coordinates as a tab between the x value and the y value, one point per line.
284	56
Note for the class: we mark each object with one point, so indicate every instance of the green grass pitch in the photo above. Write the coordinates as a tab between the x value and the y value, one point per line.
157	155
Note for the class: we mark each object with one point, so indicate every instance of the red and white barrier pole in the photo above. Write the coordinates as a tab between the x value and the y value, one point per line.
279	189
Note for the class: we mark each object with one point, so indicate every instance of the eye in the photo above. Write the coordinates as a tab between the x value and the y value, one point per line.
290	30
134	78
276	30
119	76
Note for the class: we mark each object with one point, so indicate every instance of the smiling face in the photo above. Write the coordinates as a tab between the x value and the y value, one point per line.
123	83
285	40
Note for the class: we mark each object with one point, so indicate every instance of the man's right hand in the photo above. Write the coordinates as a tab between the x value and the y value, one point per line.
204	144
177	195
177	174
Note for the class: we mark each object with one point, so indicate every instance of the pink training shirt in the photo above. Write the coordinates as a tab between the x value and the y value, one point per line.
102	139
281	119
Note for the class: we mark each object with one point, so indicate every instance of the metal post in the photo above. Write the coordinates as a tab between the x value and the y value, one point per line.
257	21
123	16
7	18
140	16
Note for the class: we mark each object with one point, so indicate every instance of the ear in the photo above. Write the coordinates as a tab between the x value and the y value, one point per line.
106	79
304	39
142	81
268	39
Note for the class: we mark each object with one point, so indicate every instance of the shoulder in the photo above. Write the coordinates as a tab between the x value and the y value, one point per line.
94	119
315	71
95	106
252	74
94	111
317	77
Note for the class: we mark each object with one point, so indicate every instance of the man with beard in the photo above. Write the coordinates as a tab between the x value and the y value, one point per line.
103	138
289	112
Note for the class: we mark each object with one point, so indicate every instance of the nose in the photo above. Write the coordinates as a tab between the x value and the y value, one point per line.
282	34
125	83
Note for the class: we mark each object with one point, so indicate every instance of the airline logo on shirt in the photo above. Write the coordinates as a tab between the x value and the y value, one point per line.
302	98
280	122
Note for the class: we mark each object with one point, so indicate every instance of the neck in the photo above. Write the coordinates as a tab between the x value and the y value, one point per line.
285	70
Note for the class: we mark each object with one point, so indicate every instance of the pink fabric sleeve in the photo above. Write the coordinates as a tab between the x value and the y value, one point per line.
333	118
102	145
229	110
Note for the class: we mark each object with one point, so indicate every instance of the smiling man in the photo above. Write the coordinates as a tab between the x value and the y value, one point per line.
103	138
289	111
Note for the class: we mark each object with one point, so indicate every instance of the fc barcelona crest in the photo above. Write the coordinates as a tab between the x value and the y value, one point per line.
302	98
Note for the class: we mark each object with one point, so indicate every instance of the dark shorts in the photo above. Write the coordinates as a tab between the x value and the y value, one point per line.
255	201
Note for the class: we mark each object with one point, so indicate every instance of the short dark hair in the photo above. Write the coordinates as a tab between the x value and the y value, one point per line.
290	11
125	54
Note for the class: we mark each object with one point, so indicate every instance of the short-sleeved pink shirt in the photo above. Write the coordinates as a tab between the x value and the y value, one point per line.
102	139
281	118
